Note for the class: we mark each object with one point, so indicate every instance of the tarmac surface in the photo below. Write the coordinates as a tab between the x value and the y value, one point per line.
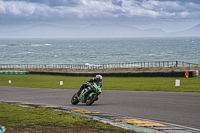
181	108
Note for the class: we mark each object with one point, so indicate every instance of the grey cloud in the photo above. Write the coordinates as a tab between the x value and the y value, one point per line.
53	2
117	2
183	1
91	10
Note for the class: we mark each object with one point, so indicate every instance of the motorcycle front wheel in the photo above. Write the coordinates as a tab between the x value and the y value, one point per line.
90	100
74	99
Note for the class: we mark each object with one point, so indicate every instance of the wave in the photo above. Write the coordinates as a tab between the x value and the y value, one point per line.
34	45
23	53
47	44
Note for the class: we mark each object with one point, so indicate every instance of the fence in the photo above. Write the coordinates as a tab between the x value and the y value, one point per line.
103	66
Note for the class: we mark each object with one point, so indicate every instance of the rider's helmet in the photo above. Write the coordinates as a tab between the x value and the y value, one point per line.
99	78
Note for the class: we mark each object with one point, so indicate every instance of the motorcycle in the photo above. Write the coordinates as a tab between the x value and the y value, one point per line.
88	95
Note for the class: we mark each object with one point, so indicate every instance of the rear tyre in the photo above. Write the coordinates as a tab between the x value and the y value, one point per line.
90	100
74	99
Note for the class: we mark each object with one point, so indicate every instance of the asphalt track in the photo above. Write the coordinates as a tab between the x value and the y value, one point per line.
181	108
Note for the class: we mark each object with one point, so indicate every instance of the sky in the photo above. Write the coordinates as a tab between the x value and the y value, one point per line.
168	15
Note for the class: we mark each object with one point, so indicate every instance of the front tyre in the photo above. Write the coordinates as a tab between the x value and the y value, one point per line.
90	100
74	99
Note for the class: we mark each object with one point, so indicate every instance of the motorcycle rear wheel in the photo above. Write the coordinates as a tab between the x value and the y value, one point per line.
90	100
74	99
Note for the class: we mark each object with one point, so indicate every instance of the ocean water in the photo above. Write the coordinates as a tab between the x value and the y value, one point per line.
98	50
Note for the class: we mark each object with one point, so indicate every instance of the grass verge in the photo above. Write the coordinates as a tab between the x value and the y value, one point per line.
26	119
109	83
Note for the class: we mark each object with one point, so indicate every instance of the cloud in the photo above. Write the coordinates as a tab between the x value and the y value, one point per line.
104	10
50	2
31	11
117	2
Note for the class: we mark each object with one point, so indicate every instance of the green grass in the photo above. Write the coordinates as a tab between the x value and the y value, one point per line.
43	119
109	83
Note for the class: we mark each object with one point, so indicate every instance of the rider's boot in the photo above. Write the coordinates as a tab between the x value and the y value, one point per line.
79	92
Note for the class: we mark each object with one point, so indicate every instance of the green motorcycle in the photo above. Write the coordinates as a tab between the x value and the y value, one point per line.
88	95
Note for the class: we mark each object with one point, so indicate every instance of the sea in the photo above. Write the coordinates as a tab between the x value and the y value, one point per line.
98	50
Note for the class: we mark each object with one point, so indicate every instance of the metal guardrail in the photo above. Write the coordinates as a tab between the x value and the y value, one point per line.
104	66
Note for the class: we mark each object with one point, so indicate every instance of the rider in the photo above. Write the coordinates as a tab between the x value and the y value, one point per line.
98	80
